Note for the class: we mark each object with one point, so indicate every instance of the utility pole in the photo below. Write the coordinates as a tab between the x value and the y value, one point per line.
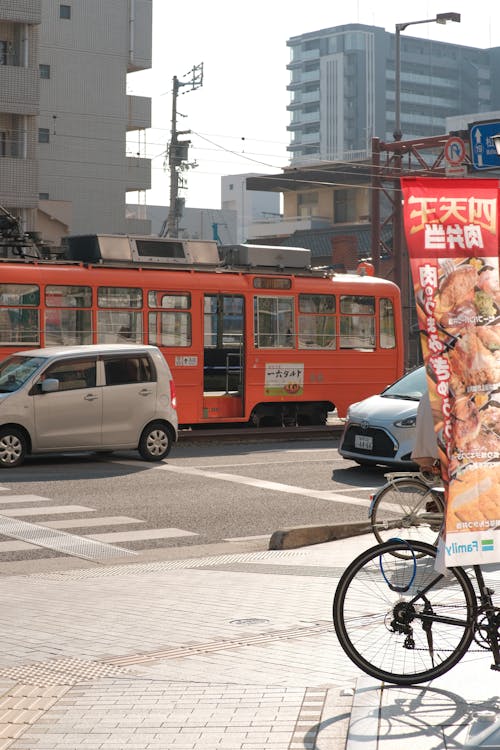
178	151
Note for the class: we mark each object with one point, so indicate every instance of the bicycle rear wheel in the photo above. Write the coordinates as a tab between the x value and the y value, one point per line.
410	633
407	508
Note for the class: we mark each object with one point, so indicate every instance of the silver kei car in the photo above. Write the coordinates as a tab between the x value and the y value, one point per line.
380	430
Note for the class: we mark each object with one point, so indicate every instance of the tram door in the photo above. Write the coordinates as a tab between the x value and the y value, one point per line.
223	336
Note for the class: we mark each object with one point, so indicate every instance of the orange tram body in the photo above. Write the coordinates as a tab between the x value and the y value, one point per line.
257	337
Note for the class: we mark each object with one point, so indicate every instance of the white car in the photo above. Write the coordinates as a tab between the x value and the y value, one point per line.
380	430
101	397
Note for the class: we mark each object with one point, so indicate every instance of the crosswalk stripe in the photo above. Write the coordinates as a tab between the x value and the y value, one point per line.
116	536
47	511
134	536
77	523
25	499
16	547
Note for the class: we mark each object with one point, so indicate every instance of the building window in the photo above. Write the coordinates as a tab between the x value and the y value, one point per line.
43	197
3	52
43	135
44	71
307	204
3	143
65	11
344	206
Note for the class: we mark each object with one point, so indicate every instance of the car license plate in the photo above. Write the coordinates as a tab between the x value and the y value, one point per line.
364	442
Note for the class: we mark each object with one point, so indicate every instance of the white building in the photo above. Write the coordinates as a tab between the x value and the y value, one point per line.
251	206
65	113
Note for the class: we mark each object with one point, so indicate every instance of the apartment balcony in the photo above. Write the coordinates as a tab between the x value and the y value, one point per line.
21	11
139	112
19	183
138	173
20	89
299	121
140	36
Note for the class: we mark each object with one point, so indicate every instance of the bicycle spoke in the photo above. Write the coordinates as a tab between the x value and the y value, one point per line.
403	637
406	508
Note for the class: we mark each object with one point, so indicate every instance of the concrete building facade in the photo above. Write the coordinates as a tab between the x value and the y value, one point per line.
65	113
251	207
342	86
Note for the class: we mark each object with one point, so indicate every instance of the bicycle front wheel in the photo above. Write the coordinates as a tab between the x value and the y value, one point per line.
407	508
398	619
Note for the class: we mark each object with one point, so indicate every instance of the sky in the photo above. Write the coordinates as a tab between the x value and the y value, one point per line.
238	117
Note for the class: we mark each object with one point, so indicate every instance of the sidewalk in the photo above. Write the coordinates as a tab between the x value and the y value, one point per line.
233	652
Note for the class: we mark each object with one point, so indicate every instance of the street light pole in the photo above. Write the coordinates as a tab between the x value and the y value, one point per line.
439	18
401	265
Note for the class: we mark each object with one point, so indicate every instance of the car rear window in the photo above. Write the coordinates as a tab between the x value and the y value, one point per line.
131	369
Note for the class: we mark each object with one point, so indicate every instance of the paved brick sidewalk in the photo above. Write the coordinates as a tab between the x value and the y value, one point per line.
235	652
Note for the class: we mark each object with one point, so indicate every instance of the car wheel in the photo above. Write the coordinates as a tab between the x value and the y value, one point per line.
13	447
155	442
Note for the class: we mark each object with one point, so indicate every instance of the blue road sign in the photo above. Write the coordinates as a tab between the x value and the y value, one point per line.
483	152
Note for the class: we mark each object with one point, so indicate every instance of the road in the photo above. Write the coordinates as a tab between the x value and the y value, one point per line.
204	499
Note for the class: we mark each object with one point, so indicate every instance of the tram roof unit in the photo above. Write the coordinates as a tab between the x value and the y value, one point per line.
127	251
194	254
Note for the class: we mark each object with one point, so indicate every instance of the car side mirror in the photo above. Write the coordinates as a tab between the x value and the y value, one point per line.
50	385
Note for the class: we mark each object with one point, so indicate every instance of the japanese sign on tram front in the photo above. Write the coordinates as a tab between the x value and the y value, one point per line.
452	235
284	379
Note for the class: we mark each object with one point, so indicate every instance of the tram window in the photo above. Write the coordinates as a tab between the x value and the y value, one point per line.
114	296
274	322
170	329
19	294
355	304
19	325
117	327
357	329
317	331
316	303
65	323
68	296
387	328
169	300
65	327
232	321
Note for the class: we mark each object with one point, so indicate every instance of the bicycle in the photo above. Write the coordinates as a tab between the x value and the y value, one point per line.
401	621
409	503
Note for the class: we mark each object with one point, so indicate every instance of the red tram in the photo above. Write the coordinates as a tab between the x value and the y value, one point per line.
259	336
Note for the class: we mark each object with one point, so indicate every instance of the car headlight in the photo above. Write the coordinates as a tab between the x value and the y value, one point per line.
406	422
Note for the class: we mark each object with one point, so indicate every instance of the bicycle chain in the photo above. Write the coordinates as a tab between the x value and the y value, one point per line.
480	650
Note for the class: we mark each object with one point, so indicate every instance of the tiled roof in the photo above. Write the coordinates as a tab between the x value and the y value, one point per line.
321	241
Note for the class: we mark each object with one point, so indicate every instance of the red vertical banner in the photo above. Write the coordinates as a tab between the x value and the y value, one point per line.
451	228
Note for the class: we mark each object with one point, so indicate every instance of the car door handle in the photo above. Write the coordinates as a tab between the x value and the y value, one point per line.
90	397
145	392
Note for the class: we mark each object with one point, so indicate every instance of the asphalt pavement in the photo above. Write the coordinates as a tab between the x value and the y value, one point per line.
231	651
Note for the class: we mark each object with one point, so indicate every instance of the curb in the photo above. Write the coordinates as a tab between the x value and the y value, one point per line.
306	535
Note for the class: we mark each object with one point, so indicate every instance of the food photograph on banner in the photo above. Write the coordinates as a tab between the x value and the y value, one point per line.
451	228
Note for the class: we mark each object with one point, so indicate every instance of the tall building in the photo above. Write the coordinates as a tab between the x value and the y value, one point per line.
342	89
65	113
